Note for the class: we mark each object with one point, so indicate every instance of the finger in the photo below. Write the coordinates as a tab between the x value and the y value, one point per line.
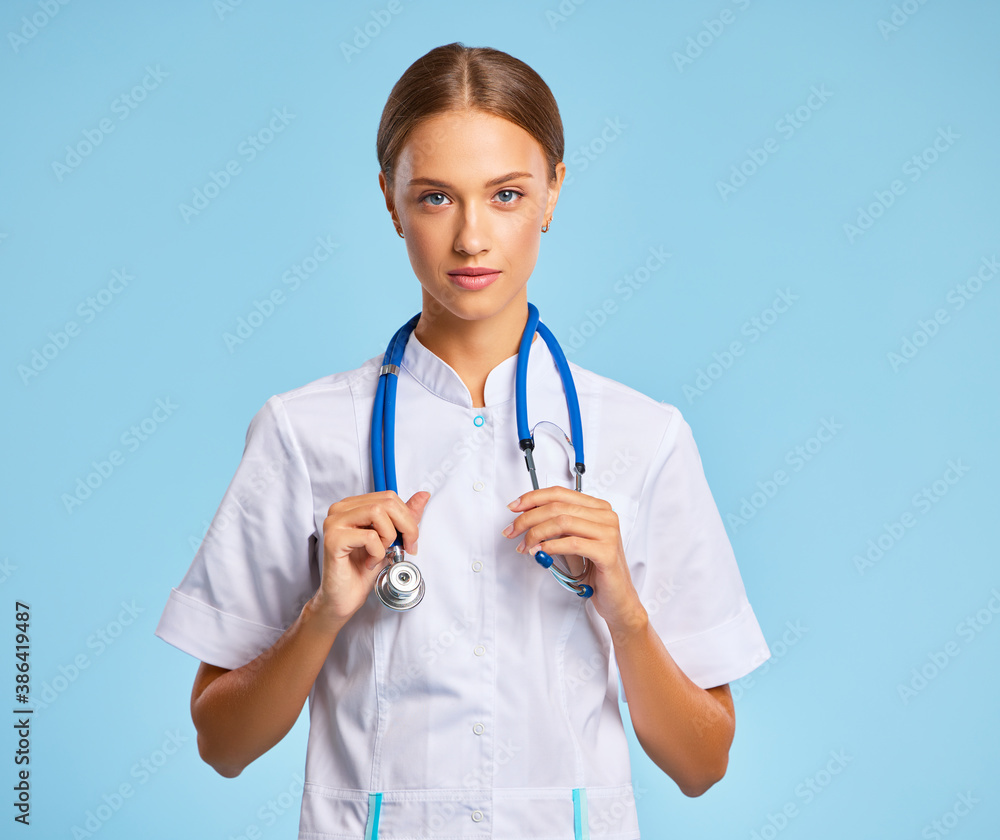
340	543
565	526
377	555
340	539
420	498
572	550
532	519
405	517
416	504
573	562
555	493
381	512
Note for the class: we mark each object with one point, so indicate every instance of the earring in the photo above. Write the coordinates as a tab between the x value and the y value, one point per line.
547	223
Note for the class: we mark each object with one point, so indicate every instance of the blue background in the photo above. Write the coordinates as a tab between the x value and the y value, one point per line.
845	633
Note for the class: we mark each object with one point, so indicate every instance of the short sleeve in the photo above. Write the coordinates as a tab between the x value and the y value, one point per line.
685	571
252	573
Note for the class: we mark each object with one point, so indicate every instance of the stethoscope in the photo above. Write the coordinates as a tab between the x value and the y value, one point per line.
400	586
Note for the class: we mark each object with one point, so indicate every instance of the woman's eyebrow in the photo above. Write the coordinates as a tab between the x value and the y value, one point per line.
430	182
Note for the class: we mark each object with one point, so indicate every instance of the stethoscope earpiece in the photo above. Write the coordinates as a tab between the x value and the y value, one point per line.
566	579
543	559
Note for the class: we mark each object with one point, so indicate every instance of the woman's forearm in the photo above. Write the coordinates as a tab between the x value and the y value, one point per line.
686	730
242	713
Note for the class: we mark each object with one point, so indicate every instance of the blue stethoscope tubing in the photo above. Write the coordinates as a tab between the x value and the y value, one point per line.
527	441
383	428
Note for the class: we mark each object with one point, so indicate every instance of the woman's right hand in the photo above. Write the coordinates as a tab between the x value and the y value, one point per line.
356	533
241	713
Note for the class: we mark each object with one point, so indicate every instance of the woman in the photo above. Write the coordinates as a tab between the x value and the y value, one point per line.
491	707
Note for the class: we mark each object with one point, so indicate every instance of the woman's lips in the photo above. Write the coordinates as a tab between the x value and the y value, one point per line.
473	281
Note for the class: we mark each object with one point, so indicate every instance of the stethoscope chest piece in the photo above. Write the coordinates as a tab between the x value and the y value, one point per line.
399	586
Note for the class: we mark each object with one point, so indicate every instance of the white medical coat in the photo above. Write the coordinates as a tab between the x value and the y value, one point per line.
491	708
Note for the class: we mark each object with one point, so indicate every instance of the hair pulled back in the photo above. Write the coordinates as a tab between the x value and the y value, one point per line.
455	77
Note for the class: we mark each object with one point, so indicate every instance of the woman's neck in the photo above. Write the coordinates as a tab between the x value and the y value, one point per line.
473	348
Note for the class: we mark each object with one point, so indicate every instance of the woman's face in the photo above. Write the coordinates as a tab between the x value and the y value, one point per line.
471	190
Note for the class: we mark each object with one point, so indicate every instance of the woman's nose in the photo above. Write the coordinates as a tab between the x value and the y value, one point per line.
472	235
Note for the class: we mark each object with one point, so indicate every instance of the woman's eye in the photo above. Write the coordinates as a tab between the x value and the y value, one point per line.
439	199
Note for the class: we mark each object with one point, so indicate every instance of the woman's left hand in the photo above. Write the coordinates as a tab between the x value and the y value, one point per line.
567	522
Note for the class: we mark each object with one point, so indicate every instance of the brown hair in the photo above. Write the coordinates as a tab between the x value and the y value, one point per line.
455	77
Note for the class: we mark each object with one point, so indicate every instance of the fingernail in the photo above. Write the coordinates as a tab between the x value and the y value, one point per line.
414	549
515	503
520	547
508	530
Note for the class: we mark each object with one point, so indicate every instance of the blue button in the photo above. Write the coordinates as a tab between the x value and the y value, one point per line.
479	420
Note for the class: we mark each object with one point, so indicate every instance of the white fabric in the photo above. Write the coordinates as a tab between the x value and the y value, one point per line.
479	711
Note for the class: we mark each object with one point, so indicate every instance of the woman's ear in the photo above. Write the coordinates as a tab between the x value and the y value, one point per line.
385	191
390	203
554	187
